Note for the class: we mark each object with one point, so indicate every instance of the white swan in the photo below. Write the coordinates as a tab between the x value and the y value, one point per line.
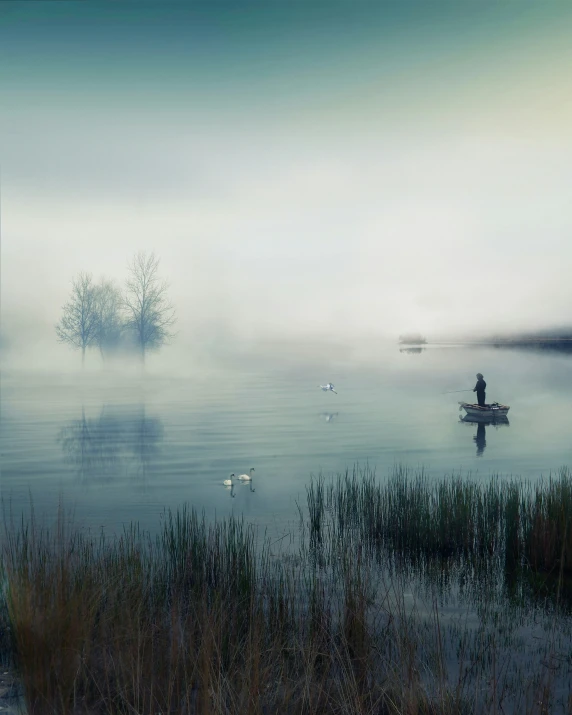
228	482
329	386
246	477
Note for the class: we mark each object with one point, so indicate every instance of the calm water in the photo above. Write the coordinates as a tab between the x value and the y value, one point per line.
117	447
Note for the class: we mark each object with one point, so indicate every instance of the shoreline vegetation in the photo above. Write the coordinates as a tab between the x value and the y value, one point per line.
549	338
402	595
505	341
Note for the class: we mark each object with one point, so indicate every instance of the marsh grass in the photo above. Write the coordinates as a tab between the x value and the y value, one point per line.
548	531
410	516
206	618
200	619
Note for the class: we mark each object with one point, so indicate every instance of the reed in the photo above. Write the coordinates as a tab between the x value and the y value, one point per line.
412	517
198	620
548	525
207	618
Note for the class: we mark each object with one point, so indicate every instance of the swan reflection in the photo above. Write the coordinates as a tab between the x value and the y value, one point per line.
117	443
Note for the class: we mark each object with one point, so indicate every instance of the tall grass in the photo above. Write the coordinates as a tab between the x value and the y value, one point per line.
410	516
207	618
197	620
547	538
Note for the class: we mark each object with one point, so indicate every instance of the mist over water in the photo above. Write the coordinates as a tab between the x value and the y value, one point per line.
314	184
121	446
315	180
299	174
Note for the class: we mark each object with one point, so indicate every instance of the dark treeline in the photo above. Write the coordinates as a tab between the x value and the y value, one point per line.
102	316
561	345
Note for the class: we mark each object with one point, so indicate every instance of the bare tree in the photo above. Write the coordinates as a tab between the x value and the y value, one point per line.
78	324
149	313
108	303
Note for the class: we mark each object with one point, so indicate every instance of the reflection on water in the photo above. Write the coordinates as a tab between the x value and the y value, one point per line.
411	351
193	432
480	439
117	443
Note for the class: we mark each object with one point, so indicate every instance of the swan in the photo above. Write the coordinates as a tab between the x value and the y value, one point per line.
329	386
246	477
228	482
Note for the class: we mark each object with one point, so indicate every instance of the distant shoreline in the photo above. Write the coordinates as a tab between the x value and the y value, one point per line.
504	341
557	337
562	346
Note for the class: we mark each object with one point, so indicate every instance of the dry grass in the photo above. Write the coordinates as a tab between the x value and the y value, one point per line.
204	619
197	621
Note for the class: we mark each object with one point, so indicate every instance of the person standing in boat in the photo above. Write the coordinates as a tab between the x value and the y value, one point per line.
480	388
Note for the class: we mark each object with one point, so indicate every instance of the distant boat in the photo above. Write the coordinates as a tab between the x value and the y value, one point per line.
487	412
412	339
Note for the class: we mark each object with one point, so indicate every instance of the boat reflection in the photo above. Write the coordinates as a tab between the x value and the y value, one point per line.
480	439
118	443
411	351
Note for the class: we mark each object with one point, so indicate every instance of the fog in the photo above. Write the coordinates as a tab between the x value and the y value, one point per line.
335	207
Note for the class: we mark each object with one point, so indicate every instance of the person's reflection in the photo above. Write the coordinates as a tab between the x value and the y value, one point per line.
480	439
103	448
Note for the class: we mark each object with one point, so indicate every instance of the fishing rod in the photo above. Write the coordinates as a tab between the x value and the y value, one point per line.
449	392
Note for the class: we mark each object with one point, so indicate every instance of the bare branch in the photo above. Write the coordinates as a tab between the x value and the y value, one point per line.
149	314
78	324
108	303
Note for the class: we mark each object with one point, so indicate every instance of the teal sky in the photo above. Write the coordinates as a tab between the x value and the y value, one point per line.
287	50
362	166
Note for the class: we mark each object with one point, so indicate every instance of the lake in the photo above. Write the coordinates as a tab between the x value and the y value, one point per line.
118	446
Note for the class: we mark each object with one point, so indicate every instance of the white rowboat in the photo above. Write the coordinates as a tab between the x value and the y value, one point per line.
488	411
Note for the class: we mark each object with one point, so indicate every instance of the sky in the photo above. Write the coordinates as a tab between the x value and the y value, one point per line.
336	170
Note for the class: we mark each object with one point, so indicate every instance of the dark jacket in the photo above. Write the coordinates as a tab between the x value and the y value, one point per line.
481	385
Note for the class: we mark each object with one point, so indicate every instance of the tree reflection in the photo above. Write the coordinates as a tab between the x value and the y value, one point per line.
116	444
145	435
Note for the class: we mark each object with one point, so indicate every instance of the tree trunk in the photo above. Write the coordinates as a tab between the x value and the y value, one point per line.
83	358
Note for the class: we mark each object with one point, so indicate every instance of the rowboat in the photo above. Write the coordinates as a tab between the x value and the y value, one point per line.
488	411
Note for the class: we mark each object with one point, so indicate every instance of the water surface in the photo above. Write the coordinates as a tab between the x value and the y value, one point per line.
117	446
